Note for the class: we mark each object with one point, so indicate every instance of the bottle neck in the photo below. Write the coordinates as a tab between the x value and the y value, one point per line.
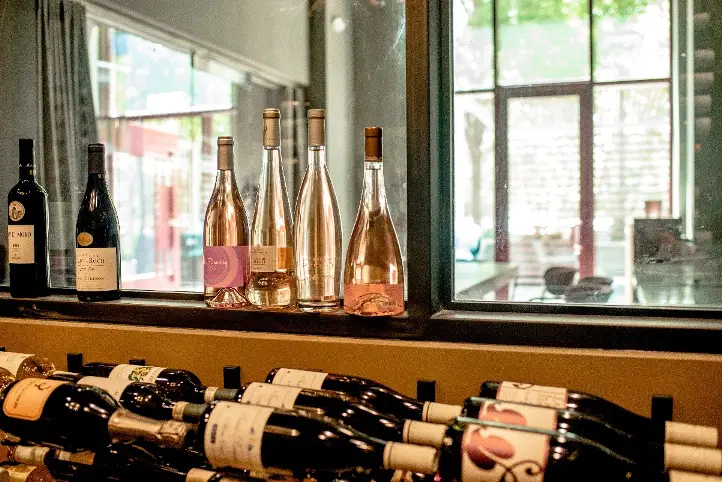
225	179
316	157
374	192
272	166
27	172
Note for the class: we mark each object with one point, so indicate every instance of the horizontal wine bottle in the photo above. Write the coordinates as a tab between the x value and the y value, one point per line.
77	417
654	454
384	399
623	419
481	451
178	384
346	409
23	365
265	439
26	473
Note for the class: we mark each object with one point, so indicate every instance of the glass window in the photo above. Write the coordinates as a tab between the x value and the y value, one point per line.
473	45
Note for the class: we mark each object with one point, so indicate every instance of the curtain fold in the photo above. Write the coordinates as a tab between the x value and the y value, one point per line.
67	124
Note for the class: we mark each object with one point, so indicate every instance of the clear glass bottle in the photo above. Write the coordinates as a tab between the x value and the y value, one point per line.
317	228
226	255
373	283
272	284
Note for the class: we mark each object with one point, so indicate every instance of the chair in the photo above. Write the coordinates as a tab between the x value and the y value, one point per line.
596	280
557	281
588	293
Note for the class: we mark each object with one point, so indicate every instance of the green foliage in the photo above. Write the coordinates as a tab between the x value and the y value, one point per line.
532	11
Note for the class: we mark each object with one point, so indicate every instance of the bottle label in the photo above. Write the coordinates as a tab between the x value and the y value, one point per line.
516	414
26	399
373	299
136	373
299	378
19	473
270	395
233	435
12	361
114	387
16	211
533	394
96	269
83	458
268	259
225	266
85	239
491	454
210	394
200	475
21	244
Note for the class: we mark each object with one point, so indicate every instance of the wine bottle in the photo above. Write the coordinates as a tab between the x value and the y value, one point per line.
77	417
652	453
226	256
490	451
629	422
28	230
97	243
28	473
373	279
346	409
272	283
317	229
265	439
23	365
178	384
384	399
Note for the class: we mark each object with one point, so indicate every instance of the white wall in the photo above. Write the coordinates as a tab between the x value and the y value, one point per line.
269	34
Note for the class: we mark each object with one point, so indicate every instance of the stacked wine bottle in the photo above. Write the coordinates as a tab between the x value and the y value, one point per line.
117	422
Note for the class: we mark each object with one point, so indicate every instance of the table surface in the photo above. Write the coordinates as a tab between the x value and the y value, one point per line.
697	282
474	279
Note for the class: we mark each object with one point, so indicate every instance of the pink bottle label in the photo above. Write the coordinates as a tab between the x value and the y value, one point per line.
225	266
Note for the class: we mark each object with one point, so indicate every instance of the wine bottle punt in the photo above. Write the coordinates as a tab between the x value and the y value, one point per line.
384	399
28	230
611	413
274	440
97	243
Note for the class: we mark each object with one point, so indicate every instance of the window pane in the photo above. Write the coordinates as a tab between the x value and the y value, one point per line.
631	164
631	39
542	42
473	45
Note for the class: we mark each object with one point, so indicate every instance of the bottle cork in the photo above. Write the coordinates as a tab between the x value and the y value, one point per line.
373	144
316	127
271	127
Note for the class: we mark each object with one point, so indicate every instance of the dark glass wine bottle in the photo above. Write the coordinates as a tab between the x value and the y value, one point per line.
481	451
28	230
76	417
268	439
97	236
384	399
179	385
621	418
655	454
346	409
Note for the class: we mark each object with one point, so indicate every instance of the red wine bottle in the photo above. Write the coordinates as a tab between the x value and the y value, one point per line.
268	439
77	417
28	230
346	409
654	454
482	451
179	385
629	422
382	398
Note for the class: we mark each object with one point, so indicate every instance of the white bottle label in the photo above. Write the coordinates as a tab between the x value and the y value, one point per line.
136	373
114	387
21	244
263	259
26	399
233	435
19	473
516	414
299	378
533	394
491	454
270	395
96	269
12	361
199	475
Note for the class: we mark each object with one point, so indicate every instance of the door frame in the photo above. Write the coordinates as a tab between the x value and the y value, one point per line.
584	91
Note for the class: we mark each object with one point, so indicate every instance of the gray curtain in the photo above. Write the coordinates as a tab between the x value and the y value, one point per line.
67	124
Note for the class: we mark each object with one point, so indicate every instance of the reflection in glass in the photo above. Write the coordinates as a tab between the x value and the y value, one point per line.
473	45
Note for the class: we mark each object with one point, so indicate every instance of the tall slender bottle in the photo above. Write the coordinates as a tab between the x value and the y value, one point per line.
226	256
272	283
28	230
97	243
373	280
317	229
